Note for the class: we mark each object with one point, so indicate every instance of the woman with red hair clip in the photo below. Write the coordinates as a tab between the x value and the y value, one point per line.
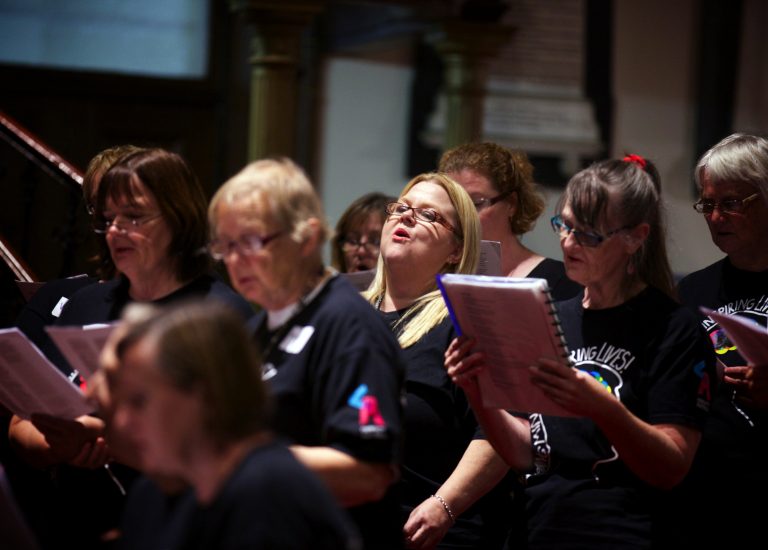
635	380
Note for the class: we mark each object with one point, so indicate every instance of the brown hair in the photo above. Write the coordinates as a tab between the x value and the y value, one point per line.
179	196
509	171
204	347
634	194
354	216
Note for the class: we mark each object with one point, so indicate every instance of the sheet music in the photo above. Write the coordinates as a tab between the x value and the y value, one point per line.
490	258
514	324
361	280
81	345
30	383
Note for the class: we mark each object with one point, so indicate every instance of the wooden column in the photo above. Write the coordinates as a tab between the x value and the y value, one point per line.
466	49
275	53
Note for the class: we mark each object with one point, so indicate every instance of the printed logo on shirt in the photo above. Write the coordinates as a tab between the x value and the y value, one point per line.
369	417
753	309
704	394
605	364
542	452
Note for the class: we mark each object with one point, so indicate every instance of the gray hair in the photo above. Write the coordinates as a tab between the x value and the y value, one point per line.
739	158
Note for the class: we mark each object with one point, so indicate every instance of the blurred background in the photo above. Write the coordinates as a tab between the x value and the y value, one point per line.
364	95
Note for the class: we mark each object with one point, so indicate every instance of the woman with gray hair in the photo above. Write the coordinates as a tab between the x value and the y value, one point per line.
732	178
331	362
636	381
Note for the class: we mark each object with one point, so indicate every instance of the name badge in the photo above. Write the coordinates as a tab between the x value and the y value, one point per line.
296	339
56	312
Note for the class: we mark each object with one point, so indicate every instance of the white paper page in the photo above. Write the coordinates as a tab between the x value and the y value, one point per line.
490	258
513	330
30	383
750	338
81	345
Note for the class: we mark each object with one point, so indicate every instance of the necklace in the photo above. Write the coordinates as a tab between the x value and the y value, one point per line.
378	301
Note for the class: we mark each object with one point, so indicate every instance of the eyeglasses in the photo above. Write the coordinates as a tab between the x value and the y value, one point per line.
584	238
128	224
247	245
424	214
728	206
352	243
485	202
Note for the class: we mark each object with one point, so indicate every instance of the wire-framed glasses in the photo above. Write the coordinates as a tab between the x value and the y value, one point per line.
123	224
728	206
246	245
424	214
584	238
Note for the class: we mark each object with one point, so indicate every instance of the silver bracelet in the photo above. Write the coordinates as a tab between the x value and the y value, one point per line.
445	507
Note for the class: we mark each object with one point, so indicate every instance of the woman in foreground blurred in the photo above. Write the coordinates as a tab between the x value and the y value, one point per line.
187	384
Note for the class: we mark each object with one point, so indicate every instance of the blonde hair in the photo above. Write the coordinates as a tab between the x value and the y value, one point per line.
429	310
274	188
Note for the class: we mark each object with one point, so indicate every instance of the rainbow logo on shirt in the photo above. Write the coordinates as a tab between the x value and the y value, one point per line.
369	417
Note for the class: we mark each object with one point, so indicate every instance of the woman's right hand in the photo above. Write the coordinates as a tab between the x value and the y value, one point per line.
464	365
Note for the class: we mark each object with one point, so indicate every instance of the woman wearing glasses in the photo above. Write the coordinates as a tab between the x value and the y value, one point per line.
637	383
500	182
152	213
355	244
732	178
449	471
332	365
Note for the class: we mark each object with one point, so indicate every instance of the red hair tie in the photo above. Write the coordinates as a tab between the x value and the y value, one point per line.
637	159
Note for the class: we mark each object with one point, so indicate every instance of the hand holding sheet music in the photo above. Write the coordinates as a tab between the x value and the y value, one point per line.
30	383
514	323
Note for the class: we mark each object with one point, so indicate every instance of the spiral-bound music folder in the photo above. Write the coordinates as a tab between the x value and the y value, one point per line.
514	322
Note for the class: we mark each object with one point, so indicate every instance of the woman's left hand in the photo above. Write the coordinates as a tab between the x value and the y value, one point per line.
573	389
427	525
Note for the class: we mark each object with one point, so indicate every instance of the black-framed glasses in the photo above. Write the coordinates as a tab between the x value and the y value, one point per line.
486	202
728	206
424	214
123	224
247	245
584	238
353	243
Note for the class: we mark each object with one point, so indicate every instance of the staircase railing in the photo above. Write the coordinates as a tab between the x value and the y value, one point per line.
34	149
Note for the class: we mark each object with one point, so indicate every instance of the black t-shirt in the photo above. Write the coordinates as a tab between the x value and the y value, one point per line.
560	286
652	355
439	425
270	501
336	374
45	306
730	471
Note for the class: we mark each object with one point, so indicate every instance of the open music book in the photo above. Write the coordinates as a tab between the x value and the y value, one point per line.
30	383
514	323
